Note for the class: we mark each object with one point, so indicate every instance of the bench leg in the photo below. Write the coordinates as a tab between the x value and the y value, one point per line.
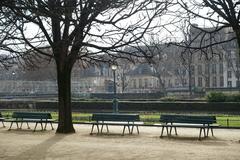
137	130
175	129
41	125
170	133
3	124
101	128
17	125
45	126
123	130
51	125
10	126
162	132
129	130
204	131
167	131
21	125
98	131
210	128
106	128
92	129
212	132
35	127
132	129
28	126
200	133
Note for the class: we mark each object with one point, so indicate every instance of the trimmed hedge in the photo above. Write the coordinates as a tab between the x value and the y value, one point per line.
223	97
101	106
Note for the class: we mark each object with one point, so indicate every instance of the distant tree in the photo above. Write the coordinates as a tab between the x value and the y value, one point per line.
124	67
78	31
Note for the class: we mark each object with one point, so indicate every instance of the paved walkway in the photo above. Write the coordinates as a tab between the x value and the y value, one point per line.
25	144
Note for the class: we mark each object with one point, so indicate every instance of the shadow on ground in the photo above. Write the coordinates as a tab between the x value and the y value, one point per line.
39	151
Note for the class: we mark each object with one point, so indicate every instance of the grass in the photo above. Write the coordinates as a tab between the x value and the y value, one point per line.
147	117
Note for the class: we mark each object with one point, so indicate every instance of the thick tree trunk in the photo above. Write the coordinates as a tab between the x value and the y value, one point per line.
65	124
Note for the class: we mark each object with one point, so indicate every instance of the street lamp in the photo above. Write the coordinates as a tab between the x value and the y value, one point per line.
115	101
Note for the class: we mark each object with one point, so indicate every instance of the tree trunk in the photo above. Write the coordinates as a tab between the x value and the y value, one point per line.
238	56
190	80
65	124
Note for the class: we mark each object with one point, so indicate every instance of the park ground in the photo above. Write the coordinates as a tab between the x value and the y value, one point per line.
28	145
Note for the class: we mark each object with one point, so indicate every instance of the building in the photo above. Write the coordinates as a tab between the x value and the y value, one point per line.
218	66
174	69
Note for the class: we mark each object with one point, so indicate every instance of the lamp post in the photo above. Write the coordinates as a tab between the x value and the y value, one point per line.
115	101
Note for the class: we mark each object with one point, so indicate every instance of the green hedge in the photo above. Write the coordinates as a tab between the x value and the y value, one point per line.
223	97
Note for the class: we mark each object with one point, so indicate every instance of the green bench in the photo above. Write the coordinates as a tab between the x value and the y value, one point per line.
119	119
204	123
31	117
2	119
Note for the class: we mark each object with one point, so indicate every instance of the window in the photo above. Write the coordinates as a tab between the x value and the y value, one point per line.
221	68
214	69
229	64
145	83
176	82
207	82
199	81
140	83
199	69
169	83
221	81
229	74
193	81
214	82
134	83
184	82
192	70
229	83
238	83
207	69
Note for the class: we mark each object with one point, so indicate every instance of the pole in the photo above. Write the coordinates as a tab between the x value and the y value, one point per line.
115	102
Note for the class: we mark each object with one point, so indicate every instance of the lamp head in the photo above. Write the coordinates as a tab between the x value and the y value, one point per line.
114	67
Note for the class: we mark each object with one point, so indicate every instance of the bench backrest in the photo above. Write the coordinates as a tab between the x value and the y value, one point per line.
31	115
115	117
188	119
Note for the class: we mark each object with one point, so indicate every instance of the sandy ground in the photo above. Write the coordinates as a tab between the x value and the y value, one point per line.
25	144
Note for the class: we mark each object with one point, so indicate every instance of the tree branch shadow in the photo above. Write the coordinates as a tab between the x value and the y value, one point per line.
39	151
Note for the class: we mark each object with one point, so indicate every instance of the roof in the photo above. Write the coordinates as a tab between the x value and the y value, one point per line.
142	69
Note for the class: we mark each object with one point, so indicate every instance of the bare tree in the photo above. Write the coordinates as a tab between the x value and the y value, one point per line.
7	29
78	31
222	15
122	74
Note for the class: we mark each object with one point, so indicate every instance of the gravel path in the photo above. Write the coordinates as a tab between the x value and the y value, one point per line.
27	145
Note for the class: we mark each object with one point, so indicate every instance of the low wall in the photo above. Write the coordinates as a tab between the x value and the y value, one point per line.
175	107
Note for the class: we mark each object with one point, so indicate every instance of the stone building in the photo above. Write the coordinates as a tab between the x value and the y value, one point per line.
219	66
174	69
